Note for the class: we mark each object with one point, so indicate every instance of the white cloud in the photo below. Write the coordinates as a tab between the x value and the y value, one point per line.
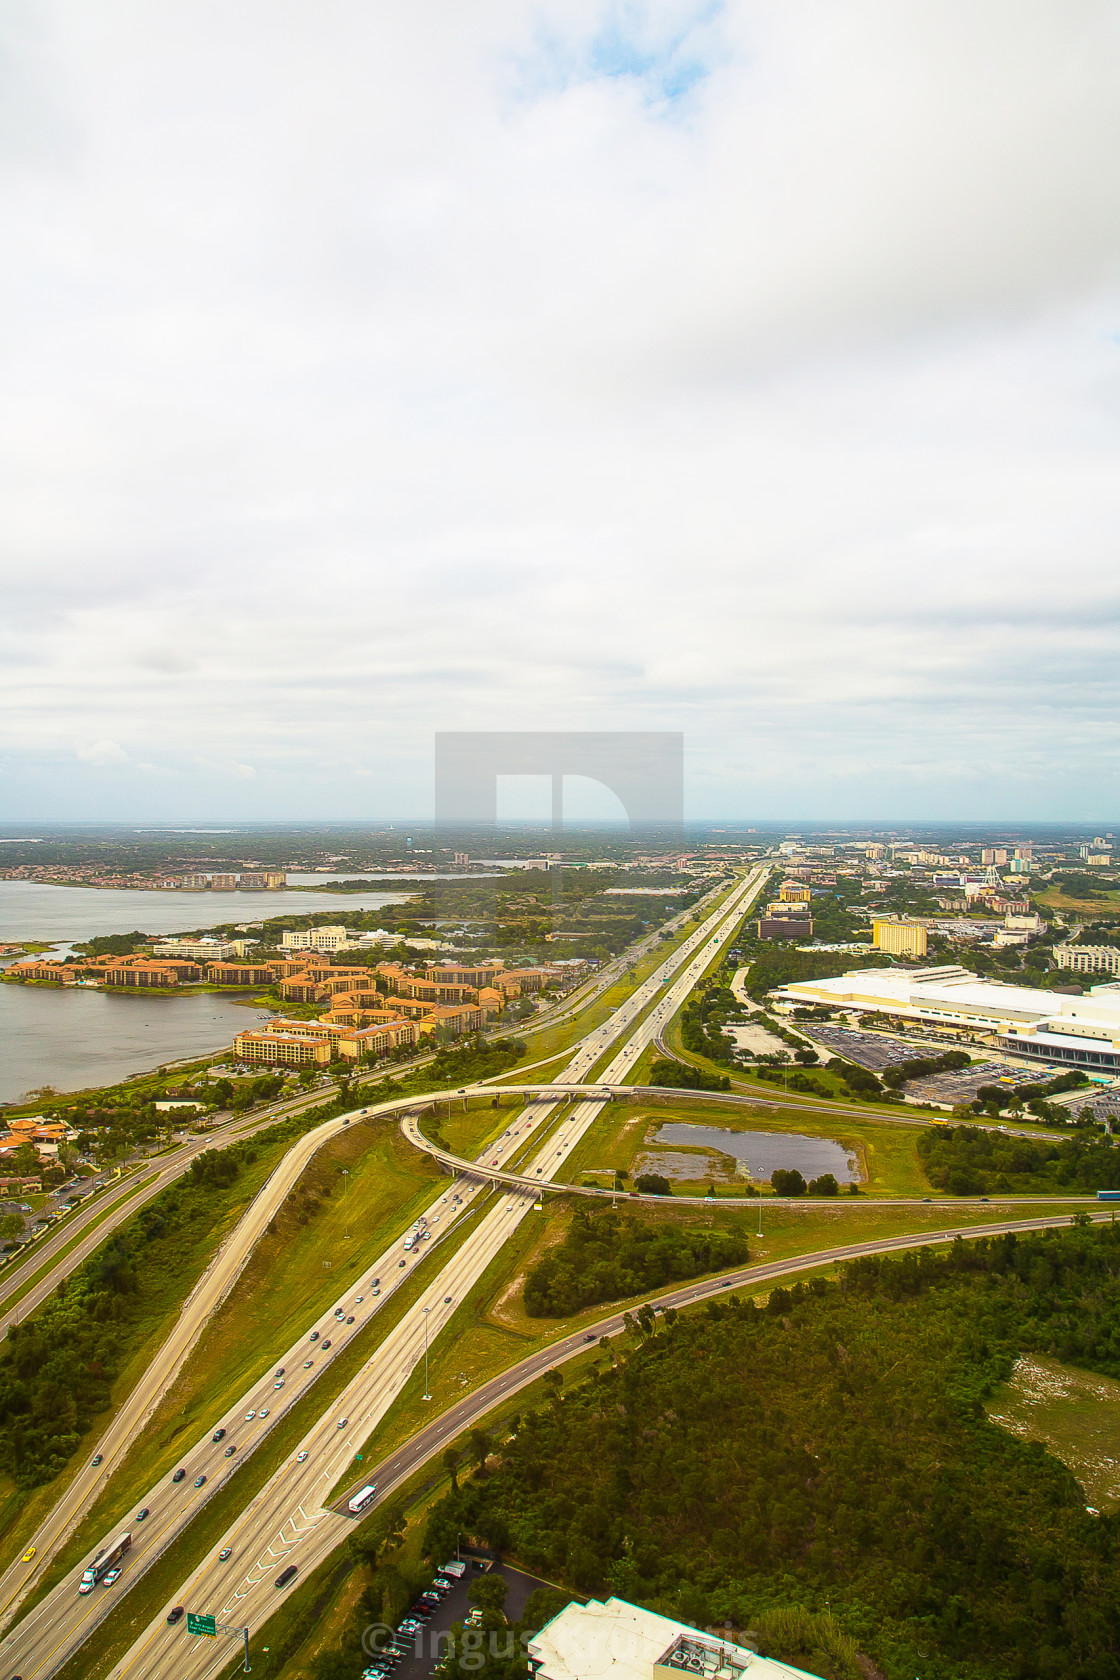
102	752
751	371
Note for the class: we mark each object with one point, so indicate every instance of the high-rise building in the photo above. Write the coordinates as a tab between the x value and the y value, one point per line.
900	938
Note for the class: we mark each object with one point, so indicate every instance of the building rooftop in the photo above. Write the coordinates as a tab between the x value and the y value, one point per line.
620	1641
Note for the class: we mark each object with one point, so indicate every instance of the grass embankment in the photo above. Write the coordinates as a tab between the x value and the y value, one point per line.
111	1640
286	1283
157	1303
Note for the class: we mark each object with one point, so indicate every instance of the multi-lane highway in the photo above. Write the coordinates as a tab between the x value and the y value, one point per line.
288	1513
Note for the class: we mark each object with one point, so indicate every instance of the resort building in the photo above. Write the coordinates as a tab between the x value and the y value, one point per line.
329	938
1088	959
900	937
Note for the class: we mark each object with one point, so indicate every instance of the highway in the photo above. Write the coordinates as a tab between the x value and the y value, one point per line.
291	1505
288	1519
212	1289
309	1531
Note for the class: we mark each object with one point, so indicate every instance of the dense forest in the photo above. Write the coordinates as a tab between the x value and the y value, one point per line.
607	1256
831	1450
970	1161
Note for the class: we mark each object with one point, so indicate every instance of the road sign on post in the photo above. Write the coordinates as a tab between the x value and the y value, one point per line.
202	1624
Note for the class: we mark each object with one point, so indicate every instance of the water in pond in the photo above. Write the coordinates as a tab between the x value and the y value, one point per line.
758	1153
1075	1413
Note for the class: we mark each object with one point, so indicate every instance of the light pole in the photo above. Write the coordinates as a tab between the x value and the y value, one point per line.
427	1310
346	1199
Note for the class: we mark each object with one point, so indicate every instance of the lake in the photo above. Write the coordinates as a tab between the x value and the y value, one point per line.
79	1037
33	910
758	1153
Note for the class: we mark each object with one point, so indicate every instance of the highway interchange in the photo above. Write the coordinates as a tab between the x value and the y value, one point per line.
293	1519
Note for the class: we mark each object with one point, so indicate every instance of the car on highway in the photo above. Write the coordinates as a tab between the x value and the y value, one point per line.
28	1554
375	1283
218	1435
110	1577
314	1335
301	1457
179	1475
350	1320
447	1300
226	1552
95	1461
307	1364
400	1263
359	1300
249	1416
326	1345
229	1452
280	1370
286	1575
279	1383
141	1513
339	1312
175	1615
342	1422
263	1412
200	1481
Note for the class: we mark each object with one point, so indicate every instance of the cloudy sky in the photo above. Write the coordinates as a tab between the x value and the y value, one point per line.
373	369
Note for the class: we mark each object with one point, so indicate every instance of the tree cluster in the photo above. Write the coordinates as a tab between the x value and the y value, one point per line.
606	1256
971	1160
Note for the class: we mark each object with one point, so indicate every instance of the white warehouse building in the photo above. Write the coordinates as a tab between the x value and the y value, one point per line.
621	1641
1055	1028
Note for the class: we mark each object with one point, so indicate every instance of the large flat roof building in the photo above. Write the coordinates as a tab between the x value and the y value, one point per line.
1050	1027
620	1641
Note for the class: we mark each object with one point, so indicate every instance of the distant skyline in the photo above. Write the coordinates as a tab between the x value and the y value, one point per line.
746	369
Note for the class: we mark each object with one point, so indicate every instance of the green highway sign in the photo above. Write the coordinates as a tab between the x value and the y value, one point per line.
201	1624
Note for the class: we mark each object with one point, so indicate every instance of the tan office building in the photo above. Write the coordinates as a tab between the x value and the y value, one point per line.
899	938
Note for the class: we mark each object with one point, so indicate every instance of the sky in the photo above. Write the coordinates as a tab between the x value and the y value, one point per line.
751	370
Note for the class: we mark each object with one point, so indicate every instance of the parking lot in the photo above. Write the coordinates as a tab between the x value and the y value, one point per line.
874	1051
430	1642
962	1087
